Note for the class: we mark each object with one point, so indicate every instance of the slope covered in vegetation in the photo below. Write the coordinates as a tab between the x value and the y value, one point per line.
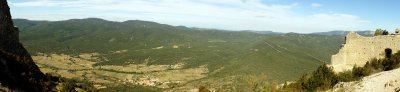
281	57
324	78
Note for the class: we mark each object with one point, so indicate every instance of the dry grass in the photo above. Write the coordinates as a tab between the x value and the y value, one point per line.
182	75
81	67
63	62
138	68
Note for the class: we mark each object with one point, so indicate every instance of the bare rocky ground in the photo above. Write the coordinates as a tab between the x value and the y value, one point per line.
81	67
388	81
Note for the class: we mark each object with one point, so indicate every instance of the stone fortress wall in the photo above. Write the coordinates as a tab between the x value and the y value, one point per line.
359	49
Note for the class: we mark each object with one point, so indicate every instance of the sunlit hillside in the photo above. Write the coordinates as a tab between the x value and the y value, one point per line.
224	54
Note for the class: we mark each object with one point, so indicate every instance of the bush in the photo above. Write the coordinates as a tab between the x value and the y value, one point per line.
345	76
258	83
359	72
321	79
69	85
385	64
324	78
381	32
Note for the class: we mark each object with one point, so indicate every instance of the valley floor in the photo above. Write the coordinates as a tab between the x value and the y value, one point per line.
82	67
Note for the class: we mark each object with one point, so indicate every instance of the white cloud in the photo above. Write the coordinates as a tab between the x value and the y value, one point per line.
222	14
316	5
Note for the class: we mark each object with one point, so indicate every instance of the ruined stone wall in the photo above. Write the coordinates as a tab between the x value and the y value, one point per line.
359	49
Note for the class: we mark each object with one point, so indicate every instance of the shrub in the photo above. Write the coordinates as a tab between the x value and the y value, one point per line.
257	83
324	78
321	79
359	72
69	85
397	30
381	32
345	76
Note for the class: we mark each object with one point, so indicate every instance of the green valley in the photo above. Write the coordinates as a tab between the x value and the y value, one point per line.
218	59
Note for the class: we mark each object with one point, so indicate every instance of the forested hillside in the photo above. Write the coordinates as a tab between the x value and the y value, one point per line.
281	57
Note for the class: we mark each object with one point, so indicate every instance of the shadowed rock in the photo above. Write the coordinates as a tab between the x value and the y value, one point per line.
17	69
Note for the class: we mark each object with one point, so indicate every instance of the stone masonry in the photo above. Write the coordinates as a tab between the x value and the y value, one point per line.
359	49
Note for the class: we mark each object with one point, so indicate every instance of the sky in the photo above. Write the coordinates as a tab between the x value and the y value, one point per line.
301	16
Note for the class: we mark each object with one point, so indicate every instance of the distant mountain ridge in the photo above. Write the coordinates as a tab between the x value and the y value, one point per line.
23	23
344	33
263	32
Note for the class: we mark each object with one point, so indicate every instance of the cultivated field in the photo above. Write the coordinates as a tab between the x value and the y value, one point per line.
82	67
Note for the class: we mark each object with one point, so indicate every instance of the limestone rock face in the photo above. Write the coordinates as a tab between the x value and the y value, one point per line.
387	81
17	69
359	49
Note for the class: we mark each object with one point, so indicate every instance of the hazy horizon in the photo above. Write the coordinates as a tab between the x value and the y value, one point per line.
201	27
258	15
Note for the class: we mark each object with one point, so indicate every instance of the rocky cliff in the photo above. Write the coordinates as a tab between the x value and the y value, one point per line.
17	69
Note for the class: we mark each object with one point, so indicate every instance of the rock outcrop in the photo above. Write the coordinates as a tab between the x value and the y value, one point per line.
387	81
17	69
359	49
